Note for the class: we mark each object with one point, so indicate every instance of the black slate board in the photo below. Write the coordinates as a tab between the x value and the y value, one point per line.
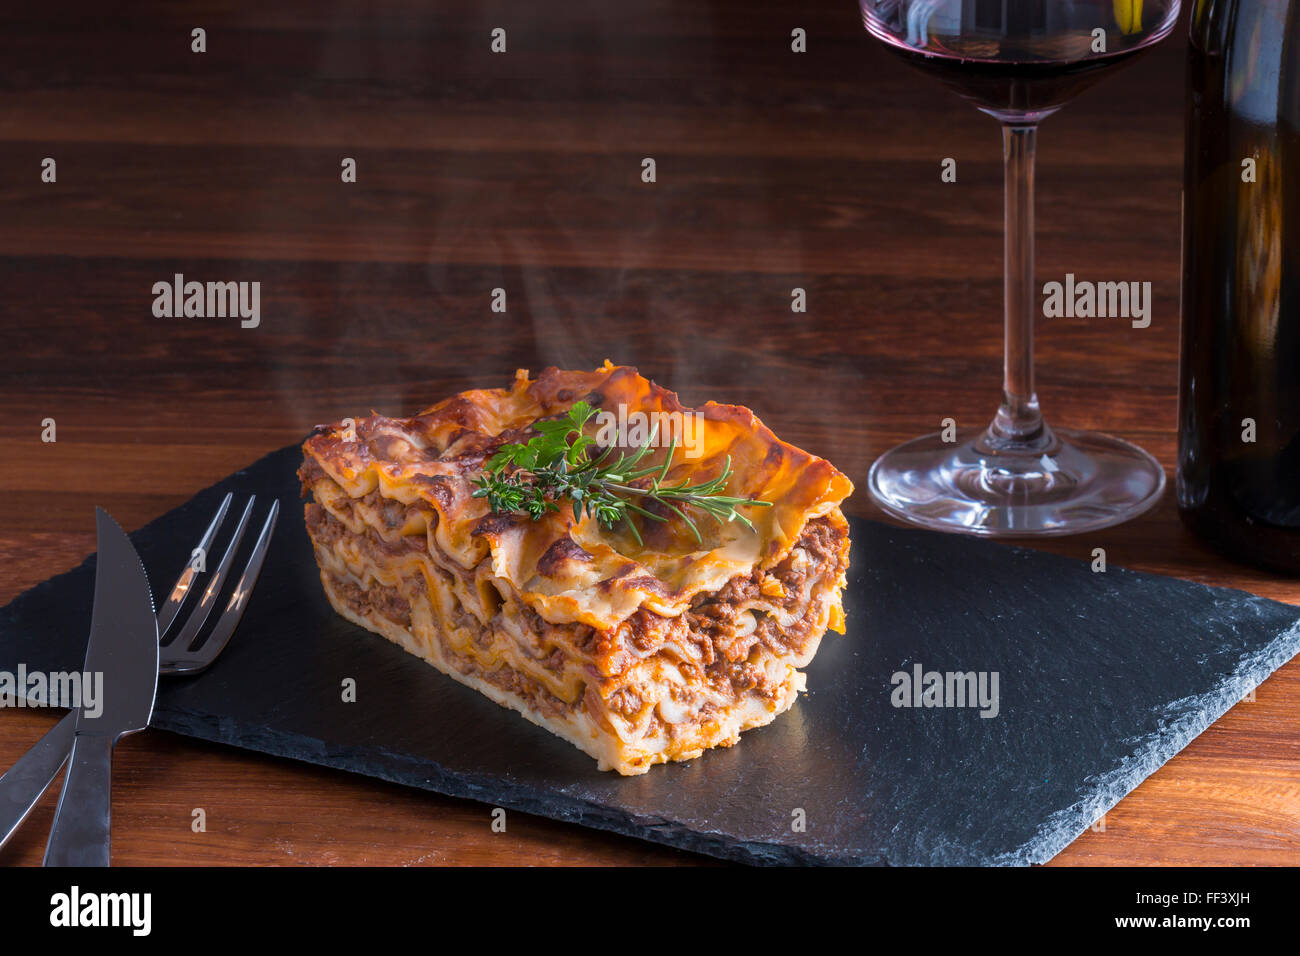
1102	678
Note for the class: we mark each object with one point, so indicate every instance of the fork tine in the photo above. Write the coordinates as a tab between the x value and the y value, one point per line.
185	583
200	613
230	617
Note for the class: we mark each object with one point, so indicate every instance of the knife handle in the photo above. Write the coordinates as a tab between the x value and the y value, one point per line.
32	775
79	836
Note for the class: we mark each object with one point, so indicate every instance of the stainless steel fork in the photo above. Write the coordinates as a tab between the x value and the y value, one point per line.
183	653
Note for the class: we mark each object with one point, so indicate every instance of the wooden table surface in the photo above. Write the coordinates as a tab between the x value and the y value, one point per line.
522	171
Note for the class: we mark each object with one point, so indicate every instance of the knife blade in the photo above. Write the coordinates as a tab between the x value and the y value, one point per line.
123	647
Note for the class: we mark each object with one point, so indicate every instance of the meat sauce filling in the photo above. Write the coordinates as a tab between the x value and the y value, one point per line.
712	624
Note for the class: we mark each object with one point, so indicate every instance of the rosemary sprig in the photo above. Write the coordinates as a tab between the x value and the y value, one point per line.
556	466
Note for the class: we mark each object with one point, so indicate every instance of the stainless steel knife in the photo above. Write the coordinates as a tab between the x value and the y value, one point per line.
123	647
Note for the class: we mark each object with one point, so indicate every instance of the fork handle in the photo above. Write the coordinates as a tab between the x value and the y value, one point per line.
79	836
21	787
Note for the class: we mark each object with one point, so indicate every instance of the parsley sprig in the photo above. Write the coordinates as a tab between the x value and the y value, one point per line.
556	466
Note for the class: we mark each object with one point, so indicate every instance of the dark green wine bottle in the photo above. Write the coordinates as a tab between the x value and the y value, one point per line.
1238	480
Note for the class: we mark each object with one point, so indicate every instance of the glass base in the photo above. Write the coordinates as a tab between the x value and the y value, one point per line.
1073	482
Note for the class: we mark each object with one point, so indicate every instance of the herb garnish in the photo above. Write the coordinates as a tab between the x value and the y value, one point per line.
555	466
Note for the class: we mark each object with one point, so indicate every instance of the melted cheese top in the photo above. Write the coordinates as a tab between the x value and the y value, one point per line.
571	570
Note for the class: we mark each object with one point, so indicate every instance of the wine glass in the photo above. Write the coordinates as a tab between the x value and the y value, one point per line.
1018	61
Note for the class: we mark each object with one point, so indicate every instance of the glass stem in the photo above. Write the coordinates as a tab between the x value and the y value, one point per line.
1019	425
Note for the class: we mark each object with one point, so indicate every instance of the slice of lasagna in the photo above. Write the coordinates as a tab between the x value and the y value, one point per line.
638	645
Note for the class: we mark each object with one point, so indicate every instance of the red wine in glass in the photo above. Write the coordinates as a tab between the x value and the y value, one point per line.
1018	56
1019	61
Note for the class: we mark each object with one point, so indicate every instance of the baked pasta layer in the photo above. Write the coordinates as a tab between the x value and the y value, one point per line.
637	653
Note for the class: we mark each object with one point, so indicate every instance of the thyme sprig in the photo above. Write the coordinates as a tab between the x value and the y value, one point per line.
556	466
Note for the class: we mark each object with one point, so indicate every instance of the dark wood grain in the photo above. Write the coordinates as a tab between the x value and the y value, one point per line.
522	171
